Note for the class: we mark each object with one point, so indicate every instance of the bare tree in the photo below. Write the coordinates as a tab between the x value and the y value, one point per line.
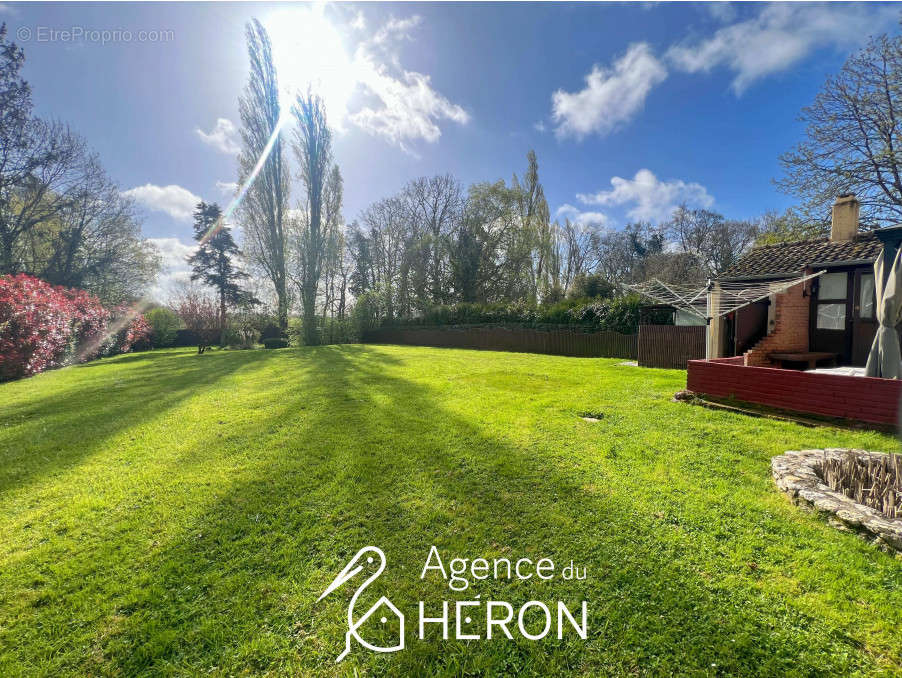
262	212
853	138
322	208
580	249
435	205
385	224
715	242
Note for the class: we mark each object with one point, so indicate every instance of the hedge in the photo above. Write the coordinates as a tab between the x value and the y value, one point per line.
615	315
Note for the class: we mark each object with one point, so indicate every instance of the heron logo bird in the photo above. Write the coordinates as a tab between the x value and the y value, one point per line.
365	561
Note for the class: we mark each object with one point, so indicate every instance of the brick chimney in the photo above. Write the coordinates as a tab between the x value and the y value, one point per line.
845	218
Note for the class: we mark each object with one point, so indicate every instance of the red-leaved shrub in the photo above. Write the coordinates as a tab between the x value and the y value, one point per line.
128	328
44	326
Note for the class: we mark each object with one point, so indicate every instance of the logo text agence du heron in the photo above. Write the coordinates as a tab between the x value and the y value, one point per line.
534	620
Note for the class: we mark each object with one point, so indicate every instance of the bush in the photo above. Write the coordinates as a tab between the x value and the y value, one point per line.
270	331
164	324
614	315
591	286
275	342
185	337
128	329
44	326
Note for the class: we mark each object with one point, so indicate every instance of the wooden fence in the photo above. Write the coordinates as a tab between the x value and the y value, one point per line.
670	346
518	339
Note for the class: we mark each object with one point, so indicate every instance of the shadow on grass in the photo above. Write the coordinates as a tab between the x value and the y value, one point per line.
51	429
378	459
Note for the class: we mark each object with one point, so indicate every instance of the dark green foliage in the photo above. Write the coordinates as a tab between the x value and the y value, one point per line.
270	331
275	342
213	263
591	286
616	315
185	337
164	324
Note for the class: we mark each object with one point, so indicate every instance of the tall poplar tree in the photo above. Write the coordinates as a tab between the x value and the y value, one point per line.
323	184
262	212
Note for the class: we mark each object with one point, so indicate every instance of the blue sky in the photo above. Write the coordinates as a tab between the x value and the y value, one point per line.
631	108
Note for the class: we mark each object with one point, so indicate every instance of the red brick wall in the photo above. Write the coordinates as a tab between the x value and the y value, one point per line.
790	331
858	398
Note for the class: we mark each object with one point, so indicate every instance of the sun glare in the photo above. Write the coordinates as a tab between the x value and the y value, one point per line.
309	51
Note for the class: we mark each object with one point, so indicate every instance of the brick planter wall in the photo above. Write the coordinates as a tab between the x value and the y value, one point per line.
864	399
790	331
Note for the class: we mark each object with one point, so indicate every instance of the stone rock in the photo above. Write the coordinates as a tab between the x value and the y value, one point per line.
796	475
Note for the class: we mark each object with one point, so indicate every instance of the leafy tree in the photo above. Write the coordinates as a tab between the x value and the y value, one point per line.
61	217
536	233
853	139
163	323
265	205
214	261
591	286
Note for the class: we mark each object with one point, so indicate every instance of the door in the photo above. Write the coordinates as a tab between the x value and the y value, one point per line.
831	315
864	316
750	325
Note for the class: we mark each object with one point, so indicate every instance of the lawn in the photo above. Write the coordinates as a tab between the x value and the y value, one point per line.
173	514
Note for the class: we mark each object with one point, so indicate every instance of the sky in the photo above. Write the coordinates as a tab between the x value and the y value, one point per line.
632	108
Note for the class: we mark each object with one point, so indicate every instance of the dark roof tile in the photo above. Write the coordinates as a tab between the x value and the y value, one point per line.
794	257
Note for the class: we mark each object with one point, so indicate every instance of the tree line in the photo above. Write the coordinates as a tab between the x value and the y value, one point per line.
62	218
435	244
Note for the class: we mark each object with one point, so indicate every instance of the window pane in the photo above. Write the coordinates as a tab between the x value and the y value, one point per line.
866	298
831	316
833	286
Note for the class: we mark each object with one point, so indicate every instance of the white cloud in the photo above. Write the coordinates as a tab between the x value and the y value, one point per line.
721	11
578	216
539	126
176	271
651	198
177	202
780	36
406	107
410	109
227	188
611	96
223	137
359	22
396	29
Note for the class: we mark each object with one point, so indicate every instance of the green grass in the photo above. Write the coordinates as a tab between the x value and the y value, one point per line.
173	514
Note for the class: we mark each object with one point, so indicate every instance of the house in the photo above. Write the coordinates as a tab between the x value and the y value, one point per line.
832	314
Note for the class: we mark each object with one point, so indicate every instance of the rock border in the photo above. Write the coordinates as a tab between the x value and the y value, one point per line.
795	475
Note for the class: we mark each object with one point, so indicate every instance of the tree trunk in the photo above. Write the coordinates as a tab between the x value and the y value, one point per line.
309	301
6	256
222	318
282	303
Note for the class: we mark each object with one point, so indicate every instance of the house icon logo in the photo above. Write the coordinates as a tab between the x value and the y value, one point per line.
370	560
